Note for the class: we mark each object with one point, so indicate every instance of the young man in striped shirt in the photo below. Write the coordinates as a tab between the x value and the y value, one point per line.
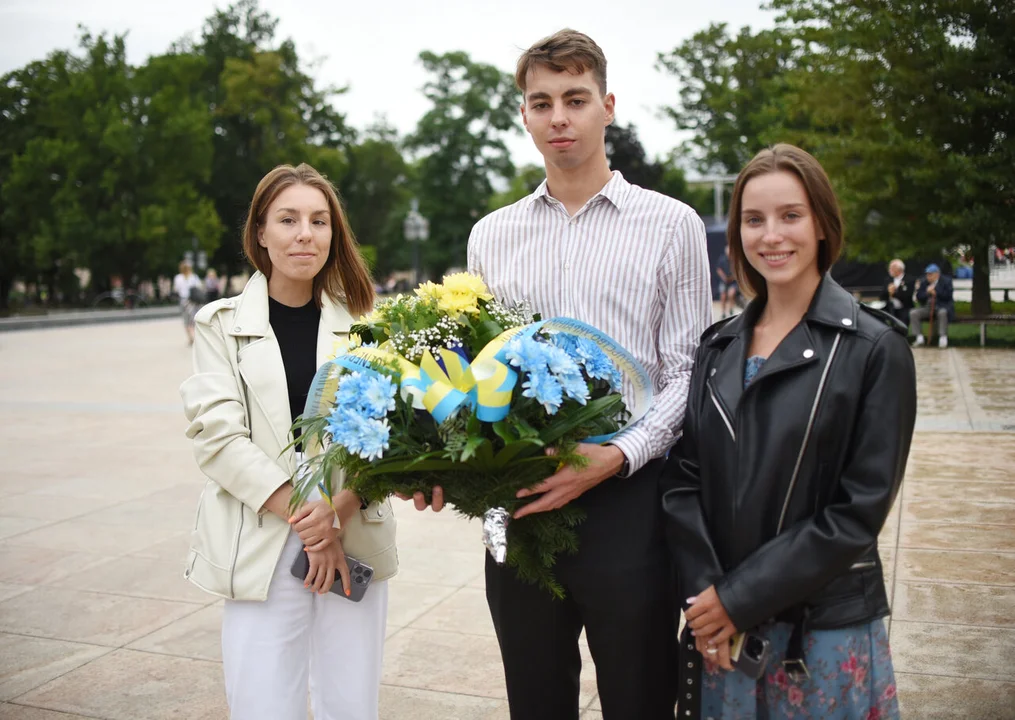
589	245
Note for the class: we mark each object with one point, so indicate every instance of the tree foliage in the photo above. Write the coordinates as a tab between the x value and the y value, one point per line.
730	88
461	149
910	107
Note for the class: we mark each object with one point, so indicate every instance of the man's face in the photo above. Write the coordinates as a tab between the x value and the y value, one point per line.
932	277
894	270
566	116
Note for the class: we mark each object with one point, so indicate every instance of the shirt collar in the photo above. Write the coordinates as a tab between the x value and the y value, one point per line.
615	191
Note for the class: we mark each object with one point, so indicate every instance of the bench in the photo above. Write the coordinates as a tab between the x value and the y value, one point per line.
983	321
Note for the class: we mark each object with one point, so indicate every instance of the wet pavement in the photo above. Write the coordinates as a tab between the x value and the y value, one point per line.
98	489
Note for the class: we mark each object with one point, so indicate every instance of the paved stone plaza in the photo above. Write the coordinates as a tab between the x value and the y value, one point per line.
98	489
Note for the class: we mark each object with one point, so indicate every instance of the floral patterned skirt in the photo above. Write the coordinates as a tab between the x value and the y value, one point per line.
851	678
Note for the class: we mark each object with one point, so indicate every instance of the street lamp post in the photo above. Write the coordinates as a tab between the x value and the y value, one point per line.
417	230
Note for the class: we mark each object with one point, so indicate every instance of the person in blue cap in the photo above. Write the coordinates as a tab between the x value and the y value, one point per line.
934	293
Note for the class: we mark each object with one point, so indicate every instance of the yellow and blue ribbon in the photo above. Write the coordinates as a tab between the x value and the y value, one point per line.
446	383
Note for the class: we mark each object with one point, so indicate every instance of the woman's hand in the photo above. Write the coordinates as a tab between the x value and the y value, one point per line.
719	655
326	566
711	627
314	521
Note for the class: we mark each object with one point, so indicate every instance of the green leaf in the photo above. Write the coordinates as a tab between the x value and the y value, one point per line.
503	430
472	446
603	406
487	331
510	452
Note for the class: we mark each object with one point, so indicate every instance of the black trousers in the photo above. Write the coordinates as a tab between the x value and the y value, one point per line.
619	588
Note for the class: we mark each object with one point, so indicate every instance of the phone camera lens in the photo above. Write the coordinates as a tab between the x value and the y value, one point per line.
753	648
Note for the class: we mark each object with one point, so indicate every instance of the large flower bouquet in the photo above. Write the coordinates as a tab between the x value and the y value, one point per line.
451	387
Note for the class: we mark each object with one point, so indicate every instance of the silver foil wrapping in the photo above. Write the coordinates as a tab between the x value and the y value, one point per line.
495	522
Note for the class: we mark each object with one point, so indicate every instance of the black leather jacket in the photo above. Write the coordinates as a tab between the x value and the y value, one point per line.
774	546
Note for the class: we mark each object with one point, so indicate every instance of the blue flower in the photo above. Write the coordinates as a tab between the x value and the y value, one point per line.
350	389
526	354
596	363
559	362
378	396
363	436
342	425
591	357
574	385
566	342
374	439
544	389
370	395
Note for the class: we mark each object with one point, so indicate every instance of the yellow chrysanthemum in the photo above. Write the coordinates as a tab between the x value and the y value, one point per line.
455	303
467	284
372	318
430	291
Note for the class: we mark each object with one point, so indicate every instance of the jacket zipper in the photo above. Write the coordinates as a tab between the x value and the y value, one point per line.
807	432
865	565
729	425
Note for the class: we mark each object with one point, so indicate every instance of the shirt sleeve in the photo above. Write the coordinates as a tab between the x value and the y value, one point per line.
472	261
686	293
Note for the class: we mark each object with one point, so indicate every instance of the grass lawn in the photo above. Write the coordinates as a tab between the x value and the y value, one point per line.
1002	336
996	308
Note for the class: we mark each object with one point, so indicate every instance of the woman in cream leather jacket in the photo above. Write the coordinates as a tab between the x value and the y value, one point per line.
254	358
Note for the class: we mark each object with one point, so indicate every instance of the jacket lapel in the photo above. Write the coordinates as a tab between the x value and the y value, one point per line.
334	328
832	307
727	376
796	350
260	359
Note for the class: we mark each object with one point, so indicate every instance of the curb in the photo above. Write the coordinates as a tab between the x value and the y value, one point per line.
86	317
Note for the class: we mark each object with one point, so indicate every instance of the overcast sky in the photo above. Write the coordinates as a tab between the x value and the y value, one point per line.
373	46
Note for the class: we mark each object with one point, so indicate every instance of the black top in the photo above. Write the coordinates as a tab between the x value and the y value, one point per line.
296	330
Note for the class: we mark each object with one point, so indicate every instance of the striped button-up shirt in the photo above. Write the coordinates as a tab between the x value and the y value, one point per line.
632	263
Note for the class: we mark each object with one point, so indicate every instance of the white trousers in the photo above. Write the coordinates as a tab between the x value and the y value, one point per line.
272	650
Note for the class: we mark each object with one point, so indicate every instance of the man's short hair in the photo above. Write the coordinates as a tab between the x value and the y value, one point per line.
901	265
565	51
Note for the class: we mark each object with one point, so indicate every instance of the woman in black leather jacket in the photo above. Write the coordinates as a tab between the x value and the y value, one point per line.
799	419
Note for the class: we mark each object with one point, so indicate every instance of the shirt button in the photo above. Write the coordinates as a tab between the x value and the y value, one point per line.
847	322
567	266
237	329
808	353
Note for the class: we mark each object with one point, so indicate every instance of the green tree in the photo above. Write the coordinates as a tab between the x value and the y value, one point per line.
673	182
627	155
460	143
525	182
913	110
730	93
265	111
175	153
26	114
108	179
376	191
